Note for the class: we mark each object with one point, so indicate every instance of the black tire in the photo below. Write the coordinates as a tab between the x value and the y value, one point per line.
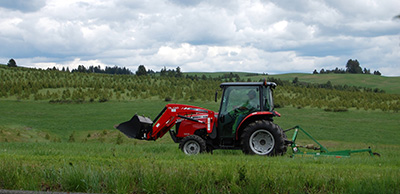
192	145
263	138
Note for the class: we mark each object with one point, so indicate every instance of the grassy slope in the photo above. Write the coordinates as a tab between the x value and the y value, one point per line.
389	84
62	119
372	127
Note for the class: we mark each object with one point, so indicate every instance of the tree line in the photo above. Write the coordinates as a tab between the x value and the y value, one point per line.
98	69
352	66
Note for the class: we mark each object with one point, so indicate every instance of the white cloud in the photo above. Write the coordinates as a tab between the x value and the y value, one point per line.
44	63
275	36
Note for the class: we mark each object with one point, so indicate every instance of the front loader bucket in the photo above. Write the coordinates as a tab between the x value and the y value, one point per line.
137	127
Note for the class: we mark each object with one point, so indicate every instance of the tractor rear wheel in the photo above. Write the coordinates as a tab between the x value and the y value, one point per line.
263	138
192	145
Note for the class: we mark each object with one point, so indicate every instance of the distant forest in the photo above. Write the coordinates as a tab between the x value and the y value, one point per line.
352	66
107	70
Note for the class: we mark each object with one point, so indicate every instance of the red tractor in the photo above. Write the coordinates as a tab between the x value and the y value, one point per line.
244	121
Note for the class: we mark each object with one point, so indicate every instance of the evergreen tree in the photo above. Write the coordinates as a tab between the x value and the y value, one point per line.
150	72
353	66
296	80
377	73
366	71
12	63
163	71
141	70
329	84
178	72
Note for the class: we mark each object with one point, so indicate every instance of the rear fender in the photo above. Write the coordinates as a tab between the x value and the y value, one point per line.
262	115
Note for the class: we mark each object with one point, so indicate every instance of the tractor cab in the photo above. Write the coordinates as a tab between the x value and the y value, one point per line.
243	102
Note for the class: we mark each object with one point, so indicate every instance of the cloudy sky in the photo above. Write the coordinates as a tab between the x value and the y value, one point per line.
278	36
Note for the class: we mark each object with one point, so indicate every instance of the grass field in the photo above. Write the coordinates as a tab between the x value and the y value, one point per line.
37	153
389	84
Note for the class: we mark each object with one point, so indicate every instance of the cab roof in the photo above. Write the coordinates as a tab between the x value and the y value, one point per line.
265	83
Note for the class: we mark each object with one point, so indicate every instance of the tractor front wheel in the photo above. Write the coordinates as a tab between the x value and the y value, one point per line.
263	138
192	145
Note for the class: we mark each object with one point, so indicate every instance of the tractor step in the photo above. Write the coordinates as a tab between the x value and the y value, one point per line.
227	142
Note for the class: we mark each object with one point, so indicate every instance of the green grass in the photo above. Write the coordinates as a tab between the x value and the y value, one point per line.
95	163
155	168
371	127
389	84
60	120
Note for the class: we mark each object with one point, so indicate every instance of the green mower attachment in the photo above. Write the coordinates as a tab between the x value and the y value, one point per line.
321	150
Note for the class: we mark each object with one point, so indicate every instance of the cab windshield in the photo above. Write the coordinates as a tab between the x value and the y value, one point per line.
241	96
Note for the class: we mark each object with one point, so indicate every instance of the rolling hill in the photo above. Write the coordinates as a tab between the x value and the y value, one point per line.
390	85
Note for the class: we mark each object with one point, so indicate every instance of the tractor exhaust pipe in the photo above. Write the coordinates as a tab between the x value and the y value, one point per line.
137	127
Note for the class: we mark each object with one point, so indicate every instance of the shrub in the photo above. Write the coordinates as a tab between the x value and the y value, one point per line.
103	100
72	137
336	109
167	99
119	139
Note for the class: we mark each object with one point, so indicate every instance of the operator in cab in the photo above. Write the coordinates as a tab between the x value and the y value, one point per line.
251	105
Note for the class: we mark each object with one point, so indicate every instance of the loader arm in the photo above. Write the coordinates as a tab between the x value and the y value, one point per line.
172	112
143	128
